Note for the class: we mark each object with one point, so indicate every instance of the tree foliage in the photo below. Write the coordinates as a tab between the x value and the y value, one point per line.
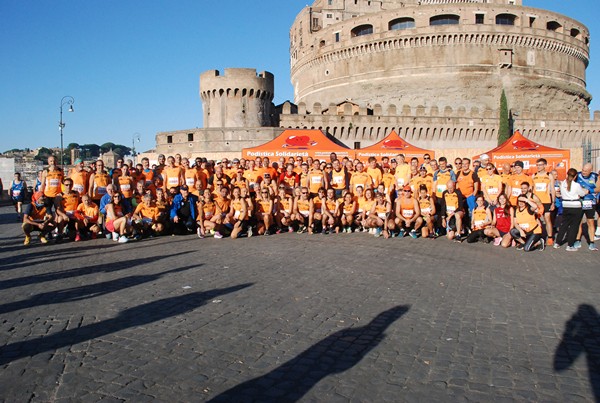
504	127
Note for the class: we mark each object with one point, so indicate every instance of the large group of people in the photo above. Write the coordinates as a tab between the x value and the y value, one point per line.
388	197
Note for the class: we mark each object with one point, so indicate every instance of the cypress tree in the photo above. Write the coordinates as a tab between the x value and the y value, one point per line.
504	129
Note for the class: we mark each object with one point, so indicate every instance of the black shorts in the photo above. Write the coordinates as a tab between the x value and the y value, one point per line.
589	214
547	207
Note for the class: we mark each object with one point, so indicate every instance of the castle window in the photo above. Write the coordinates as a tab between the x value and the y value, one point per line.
531	21
554	26
446	19
329	15
505	19
357	145
479	18
575	32
329	2
190	136
362	30
169	139
322	43
337	36
401	23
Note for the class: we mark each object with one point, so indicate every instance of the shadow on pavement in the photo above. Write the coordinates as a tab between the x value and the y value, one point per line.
87	291
334	354
137	316
581	336
36	252
81	271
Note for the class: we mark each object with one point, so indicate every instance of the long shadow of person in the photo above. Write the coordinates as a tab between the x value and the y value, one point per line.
581	336
87	291
334	354
136	316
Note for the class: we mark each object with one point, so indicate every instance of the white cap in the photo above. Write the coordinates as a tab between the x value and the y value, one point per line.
484	157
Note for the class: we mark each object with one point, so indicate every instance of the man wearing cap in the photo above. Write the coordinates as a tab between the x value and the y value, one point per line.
422	179
588	179
515	181
183	212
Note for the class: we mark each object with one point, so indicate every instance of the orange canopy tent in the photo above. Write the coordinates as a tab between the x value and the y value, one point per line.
391	146
518	147
299	142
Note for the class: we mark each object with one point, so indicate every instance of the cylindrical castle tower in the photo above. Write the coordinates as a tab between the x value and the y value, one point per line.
238	98
439	53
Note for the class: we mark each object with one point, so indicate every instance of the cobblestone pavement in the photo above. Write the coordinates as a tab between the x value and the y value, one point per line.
289	317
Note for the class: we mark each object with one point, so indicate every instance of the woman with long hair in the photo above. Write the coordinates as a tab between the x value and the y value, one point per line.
571	193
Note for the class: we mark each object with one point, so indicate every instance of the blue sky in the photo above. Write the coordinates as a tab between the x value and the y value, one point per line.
133	66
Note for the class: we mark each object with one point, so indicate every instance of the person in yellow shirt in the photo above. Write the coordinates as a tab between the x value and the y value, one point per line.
144	218
515	180
360	178
543	188
408	214
303	210
491	185
401	172
316	179
428	212
422	180
527	230
374	172
346	211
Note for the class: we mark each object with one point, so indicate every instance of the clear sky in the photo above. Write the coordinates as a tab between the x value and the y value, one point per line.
134	66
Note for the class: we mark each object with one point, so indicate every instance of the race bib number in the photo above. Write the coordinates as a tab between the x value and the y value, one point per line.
516	192
381	215
173	181
126	187
78	188
236	215
189	181
16	193
408	213
400	182
493	191
524	226
101	190
316	179
588	204
338	180
450	209
479	224
541	187
426	210
441	188
54	183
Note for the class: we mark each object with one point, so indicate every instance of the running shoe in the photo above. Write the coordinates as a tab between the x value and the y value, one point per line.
123	239
458	238
497	241
402	233
250	232
556	245
571	249
378	232
27	240
592	247
77	238
115	237
290	229
43	239
267	232
218	235
199	232
519	246
542	244
577	245
549	242
413	234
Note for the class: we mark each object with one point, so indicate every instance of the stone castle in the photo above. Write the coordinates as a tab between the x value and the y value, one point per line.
432	70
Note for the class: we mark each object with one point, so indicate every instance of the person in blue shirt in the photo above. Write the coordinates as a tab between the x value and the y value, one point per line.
17	191
183	212
588	179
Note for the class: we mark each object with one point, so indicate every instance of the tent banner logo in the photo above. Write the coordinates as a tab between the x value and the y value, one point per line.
299	142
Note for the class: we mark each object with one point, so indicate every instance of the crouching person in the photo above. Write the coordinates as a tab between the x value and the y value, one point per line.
183	212
145	218
86	218
37	218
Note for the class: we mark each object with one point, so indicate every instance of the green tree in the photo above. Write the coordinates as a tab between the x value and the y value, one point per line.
504	128
107	147
43	154
72	146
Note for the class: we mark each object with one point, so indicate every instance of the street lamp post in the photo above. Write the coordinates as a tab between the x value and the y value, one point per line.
136	137
66	100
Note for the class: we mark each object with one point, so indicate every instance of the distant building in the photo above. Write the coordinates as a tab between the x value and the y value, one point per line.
432	70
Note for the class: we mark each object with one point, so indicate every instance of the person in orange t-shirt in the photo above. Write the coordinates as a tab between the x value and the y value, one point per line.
86	218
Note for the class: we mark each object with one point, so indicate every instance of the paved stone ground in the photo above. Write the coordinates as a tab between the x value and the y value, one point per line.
295	317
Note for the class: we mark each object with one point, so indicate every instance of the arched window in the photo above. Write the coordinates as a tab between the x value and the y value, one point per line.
554	26
505	19
362	30
575	32
446	19
401	23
